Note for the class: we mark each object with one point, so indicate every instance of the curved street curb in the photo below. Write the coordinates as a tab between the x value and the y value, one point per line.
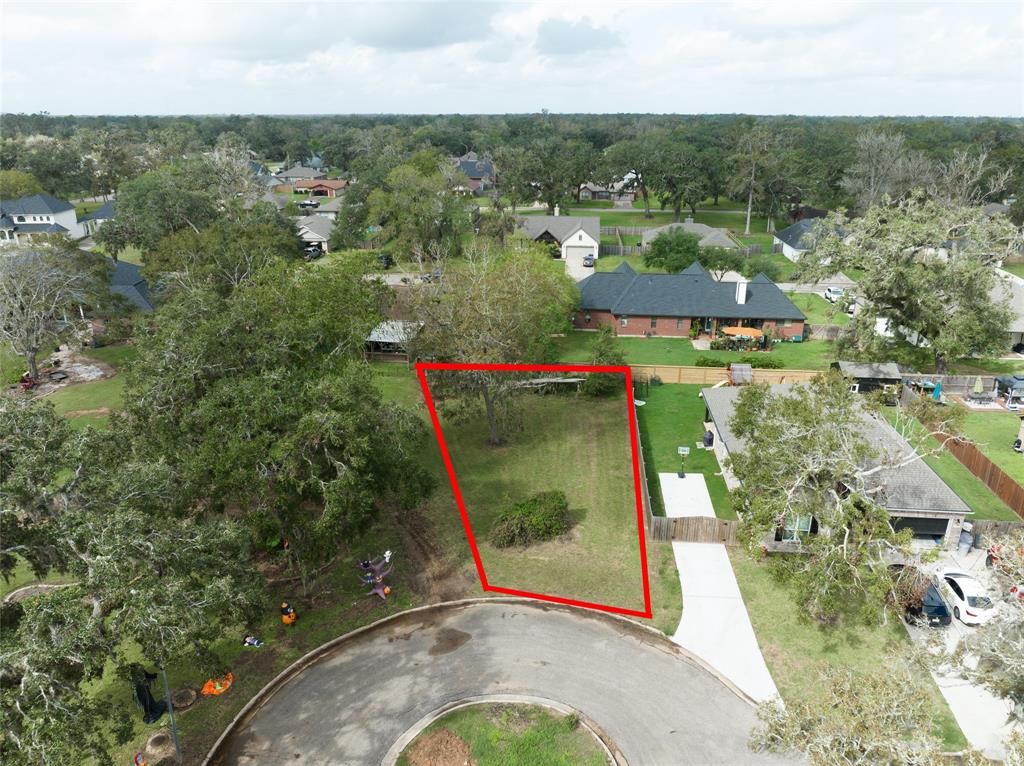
611	752
263	695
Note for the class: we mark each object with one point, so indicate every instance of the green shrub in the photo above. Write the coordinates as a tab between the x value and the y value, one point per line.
710	361
655	380
762	361
541	517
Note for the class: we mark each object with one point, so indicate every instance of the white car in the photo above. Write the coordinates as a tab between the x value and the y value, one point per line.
968	597
833	294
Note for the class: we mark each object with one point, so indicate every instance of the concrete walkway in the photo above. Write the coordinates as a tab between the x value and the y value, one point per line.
715	624
348	707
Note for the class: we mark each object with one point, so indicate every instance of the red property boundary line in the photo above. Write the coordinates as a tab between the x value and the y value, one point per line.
421	370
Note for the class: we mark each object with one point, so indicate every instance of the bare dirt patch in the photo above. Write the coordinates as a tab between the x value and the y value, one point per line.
442	747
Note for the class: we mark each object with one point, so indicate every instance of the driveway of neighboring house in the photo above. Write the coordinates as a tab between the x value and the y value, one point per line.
715	625
351	705
981	715
574	267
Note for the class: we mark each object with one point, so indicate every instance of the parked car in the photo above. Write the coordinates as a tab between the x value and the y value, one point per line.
970	600
431	276
307	204
833	294
312	252
588	261
932	610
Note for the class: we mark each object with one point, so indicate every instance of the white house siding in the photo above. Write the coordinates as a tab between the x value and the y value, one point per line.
787	250
578	245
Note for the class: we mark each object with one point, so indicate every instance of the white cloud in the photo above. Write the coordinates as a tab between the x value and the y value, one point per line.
806	57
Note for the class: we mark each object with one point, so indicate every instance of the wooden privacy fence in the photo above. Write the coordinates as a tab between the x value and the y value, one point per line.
711	375
634	230
694	529
604	249
994	477
990	529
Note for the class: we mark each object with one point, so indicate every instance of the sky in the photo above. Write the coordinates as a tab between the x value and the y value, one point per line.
783	57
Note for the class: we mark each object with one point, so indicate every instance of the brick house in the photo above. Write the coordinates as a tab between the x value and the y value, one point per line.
321	187
670	304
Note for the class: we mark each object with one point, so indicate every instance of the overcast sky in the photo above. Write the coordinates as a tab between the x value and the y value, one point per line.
814	57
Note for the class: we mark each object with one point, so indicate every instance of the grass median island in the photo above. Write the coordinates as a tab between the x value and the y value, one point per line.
504	735
563	443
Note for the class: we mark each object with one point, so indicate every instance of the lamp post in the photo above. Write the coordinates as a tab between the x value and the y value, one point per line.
683	452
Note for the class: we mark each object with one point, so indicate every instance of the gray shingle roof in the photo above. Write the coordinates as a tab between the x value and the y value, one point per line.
35	205
317	224
794	235
691	293
911	487
709	236
299	172
880	370
475	168
39	228
126	280
561	227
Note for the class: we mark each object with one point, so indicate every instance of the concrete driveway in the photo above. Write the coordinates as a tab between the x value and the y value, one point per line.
715	625
656	706
575	269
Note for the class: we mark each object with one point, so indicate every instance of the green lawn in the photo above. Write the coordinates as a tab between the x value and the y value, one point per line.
554	448
576	347
92	402
818	310
708	204
797	651
636	262
514	735
979	498
673	417
130	254
994	433
11	365
1016	269
84	208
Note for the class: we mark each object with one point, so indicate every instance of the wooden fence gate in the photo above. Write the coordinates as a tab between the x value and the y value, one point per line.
693	529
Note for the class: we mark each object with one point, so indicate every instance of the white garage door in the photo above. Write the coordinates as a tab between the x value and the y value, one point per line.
572	251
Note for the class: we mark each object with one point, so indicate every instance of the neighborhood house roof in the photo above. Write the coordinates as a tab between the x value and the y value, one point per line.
399	331
34	228
709	236
799	236
317	224
691	293
912	486
103	213
474	168
334	183
299	172
995	208
37	204
880	371
561	227
126	280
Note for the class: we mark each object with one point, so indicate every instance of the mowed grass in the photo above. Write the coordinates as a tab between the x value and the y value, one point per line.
797	650
994	434
673	417
577	347
818	310
980	499
570	444
516	735
90	404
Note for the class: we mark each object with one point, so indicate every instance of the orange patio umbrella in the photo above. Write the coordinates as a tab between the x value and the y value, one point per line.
748	332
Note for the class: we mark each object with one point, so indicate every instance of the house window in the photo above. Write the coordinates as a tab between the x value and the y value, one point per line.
795	527
680	324
787	323
623	321
654	322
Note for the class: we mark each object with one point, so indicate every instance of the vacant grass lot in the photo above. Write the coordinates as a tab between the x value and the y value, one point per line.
672	417
798	650
576	347
558	446
90	404
515	735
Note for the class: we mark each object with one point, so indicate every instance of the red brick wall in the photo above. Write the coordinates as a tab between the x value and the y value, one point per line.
797	328
597	318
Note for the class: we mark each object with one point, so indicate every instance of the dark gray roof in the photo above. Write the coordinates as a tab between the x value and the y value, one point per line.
103	213
691	293
126	280
277	200
39	228
910	487
561	227
879	370
794	235
709	236
35	205
995	208
476	169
